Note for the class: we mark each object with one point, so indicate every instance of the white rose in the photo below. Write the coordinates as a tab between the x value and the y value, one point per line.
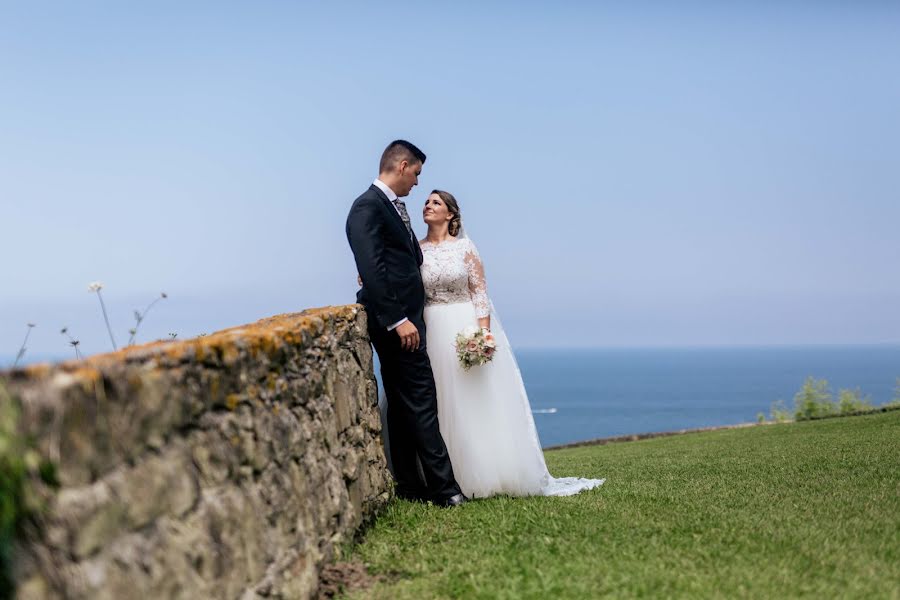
470	331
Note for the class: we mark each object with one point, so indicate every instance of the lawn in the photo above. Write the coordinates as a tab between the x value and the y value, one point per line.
786	510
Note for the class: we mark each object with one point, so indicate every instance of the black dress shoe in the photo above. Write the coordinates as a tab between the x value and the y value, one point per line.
456	500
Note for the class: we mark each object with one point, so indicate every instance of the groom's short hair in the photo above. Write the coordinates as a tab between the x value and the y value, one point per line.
397	151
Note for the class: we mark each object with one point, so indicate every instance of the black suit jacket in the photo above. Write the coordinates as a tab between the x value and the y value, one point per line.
388	260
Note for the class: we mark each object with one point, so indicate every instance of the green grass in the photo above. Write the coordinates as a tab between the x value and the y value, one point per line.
786	510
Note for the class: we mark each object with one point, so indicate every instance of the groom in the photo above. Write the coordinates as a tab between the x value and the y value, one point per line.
388	258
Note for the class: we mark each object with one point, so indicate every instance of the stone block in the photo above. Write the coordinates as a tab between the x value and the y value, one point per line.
92	516
159	485
343	404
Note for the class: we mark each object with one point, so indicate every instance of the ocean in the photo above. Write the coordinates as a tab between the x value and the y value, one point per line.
585	394
579	395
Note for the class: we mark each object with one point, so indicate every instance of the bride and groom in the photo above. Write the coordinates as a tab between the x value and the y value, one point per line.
454	434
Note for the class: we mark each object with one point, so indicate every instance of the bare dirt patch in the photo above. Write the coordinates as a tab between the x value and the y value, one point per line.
343	577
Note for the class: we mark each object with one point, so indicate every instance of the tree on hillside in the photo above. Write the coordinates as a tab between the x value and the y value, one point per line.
852	401
813	400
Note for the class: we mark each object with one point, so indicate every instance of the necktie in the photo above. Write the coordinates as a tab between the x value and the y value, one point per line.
401	207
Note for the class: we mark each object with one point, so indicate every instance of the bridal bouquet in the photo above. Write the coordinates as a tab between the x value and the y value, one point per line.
475	347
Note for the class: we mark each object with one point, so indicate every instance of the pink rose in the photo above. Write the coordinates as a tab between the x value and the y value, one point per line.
472	346
488	352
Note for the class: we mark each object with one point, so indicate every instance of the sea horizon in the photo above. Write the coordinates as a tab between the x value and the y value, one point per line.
590	392
710	346
583	394
7	359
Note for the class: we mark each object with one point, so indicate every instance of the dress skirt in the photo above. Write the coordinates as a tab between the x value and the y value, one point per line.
485	417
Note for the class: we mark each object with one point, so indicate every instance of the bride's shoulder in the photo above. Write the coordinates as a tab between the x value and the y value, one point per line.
467	243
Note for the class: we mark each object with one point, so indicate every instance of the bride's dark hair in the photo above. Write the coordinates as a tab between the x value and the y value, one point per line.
456	222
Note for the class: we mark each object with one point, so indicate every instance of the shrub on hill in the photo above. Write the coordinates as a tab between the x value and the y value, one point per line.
814	401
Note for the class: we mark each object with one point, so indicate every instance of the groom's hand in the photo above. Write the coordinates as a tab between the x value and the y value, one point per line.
409	336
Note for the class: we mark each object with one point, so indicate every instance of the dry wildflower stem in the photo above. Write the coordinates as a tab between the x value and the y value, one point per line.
96	286
22	350
106	318
140	316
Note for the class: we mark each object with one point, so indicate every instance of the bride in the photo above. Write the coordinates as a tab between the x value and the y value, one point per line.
485	418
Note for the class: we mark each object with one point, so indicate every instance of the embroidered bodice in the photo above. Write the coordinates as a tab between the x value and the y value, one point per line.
452	272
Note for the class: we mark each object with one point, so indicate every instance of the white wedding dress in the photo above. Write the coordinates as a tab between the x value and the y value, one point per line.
484	414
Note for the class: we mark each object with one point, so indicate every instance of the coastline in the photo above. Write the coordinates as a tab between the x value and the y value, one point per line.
633	437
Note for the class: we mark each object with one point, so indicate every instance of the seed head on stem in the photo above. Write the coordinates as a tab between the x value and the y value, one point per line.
72	341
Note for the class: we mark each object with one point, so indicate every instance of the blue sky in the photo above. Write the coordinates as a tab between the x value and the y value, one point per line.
634	175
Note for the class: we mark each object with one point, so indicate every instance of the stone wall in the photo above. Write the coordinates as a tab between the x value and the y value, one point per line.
227	466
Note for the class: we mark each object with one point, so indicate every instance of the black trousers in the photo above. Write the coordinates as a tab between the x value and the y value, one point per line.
412	418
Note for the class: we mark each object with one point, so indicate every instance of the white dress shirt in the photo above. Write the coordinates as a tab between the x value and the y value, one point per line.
391	197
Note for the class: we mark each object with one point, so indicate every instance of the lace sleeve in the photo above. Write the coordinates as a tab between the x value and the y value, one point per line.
477	283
